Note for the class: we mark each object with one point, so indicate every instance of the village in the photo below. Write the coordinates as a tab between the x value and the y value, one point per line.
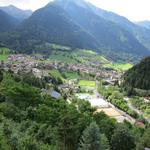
40	68
26	63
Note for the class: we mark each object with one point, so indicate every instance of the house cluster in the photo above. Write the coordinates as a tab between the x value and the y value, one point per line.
26	63
68	88
17	63
102	72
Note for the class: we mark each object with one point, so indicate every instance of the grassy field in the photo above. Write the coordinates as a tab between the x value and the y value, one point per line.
4	53
71	75
87	83
120	66
62	58
56	74
3	57
60	47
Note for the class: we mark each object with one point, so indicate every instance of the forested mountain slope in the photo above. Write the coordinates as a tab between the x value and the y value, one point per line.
59	23
139	75
6	22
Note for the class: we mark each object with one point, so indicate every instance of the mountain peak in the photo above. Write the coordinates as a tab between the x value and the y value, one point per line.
16	12
81	3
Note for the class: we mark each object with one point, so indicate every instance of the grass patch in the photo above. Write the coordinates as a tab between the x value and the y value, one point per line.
3	57
4	53
60	47
119	66
122	67
87	83
71	75
62	58
56	73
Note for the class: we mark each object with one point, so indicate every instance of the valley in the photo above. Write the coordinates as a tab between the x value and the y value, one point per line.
79	74
73	76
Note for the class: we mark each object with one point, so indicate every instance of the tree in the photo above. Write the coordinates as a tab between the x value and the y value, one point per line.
105	142
122	139
146	138
106	124
90	139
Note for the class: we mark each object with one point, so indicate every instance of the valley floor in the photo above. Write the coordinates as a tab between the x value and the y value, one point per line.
81	76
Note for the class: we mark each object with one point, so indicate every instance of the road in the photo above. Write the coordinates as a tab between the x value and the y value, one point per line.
126	116
135	109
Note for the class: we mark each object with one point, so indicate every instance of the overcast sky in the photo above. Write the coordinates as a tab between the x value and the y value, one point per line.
134	10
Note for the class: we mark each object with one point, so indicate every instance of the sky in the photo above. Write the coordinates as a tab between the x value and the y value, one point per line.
134	10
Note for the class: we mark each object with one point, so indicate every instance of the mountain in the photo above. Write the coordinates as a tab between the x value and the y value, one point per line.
6	22
139	75
74	23
50	24
140	33
16	12
145	24
109	34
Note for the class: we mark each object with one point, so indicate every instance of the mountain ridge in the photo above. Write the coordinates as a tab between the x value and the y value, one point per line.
16	12
145	24
77	24
8	22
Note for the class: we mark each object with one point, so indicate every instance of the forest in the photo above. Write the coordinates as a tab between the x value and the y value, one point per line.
32	120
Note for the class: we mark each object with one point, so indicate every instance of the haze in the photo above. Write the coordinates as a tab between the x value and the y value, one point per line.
135	10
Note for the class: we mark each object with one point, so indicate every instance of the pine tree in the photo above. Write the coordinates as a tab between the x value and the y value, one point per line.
122	139
90	139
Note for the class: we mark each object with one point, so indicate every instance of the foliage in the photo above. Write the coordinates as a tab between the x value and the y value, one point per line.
71	75
146	138
122	139
56	76
87	83
138	76
90	140
115	97
29	120
4	52
140	104
121	66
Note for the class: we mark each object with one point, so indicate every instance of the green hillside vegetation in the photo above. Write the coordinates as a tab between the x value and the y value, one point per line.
120	66
86	56
140	104
62	57
59	47
4	53
114	95
57	24
8	22
138	76
87	85
30	120
89	55
56	76
75	56
71	75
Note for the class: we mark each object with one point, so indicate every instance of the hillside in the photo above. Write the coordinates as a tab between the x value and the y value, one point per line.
16	12
109	35
6	22
50	24
33	119
138	76
140	33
